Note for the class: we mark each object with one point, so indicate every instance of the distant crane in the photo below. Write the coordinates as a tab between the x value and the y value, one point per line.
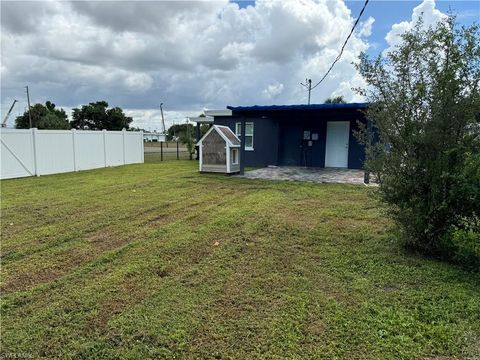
4	122
163	120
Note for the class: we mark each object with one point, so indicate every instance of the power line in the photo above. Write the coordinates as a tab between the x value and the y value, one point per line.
343	47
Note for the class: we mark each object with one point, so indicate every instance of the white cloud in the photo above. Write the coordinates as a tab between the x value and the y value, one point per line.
431	16
273	90
152	119
366	27
189	55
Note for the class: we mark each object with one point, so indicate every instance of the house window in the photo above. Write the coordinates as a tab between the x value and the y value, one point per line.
238	129
234	156
248	134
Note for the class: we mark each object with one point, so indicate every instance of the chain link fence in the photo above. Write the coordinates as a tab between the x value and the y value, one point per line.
171	150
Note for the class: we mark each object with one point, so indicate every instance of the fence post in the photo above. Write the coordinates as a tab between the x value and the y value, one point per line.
35	151
104	132
123	134
142	147
177	149
74	133
161	150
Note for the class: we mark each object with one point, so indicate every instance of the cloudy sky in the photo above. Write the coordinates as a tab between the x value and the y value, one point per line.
192	55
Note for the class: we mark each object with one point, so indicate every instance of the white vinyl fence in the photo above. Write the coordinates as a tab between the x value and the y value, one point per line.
41	152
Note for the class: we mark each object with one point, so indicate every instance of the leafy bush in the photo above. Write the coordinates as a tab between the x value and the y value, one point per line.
463	247
424	110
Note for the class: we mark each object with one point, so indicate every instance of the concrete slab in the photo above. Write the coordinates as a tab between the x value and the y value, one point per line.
320	175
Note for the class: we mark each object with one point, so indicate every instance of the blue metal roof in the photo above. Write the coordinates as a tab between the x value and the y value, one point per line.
297	107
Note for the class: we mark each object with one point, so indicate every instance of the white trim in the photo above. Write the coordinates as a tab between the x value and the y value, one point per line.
200	157
216	128
199	143
227	148
237	157
247	148
202	119
221	112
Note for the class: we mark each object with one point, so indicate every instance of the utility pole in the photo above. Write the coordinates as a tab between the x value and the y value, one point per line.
29	112
308	85
309	89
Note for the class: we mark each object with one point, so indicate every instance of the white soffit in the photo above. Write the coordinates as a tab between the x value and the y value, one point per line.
224	112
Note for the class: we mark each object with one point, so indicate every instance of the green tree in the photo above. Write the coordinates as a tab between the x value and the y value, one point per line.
425	102
180	131
43	117
97	116
335	100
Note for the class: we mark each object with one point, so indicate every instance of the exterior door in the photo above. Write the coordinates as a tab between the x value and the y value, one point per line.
336	148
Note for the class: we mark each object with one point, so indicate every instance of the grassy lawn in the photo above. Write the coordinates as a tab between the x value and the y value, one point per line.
158	261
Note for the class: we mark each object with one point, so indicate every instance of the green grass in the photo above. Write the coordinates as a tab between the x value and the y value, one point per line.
159	261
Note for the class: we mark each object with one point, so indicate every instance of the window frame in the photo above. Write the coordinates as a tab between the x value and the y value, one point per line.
238	132
235	156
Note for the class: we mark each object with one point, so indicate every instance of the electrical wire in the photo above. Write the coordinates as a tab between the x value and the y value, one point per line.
343	47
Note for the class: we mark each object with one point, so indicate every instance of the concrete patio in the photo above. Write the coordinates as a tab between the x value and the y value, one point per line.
320	175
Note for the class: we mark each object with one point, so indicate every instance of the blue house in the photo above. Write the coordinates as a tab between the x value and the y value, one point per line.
317	135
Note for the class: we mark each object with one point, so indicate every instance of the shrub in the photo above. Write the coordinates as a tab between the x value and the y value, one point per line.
424	110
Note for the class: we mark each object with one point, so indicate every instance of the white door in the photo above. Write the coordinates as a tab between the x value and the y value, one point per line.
336	148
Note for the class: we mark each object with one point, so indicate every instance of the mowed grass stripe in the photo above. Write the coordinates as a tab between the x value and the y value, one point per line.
241	269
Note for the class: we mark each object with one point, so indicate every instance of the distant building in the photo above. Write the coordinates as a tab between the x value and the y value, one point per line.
154	136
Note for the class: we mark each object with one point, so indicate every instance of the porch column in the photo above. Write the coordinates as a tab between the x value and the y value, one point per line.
242	147
198	131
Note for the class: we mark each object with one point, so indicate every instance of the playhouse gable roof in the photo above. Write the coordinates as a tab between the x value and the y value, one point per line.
226	133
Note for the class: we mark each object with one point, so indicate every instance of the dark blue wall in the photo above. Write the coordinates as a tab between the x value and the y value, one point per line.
265	140
356	151
278	136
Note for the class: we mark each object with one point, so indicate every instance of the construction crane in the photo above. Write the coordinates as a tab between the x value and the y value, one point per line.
163	120
4	122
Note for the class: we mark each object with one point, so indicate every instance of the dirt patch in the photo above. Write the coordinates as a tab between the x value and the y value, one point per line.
316	327
159	220
66	262
38	276
107	239
128	294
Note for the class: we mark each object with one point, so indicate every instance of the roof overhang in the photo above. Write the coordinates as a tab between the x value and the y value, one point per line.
225	112
297	107
202	119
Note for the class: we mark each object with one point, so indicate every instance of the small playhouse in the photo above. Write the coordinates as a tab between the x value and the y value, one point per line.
219	151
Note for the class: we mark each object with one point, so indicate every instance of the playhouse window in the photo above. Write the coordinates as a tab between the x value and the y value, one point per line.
235	156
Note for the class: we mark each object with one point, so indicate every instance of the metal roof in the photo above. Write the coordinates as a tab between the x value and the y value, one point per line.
297	107
225	132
